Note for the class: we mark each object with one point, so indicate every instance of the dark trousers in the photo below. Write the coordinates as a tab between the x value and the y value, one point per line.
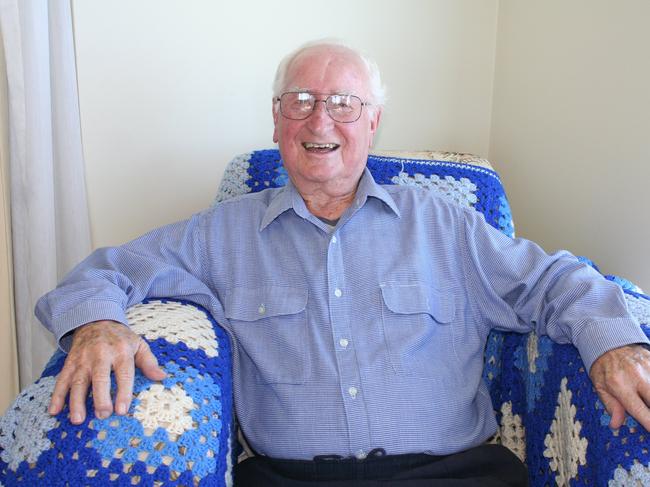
483	466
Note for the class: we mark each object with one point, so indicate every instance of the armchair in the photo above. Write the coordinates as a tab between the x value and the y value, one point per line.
181	431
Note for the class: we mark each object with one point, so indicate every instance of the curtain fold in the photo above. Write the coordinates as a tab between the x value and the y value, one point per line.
49	211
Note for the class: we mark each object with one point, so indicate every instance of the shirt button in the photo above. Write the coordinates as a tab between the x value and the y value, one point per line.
344	342
334	239
262	309
361	455
353	392
338	293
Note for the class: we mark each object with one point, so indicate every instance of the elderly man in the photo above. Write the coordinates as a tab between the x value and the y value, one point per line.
353	363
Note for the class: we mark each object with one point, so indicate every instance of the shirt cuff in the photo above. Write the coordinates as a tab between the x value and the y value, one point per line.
85	313
603	336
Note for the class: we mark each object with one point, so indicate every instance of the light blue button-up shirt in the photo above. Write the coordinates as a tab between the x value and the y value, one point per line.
368	335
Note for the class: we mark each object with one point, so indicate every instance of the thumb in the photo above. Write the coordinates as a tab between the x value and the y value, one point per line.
614	408
146	361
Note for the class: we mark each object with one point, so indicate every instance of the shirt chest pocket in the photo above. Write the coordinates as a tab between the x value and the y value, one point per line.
419	331
270	325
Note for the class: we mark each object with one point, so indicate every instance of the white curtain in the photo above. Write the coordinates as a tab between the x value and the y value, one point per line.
49	213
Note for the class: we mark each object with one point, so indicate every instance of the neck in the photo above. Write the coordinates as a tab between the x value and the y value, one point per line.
327	206
328	199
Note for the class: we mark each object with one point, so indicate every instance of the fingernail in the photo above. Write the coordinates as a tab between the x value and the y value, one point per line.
120	408
52	410
101	414
76	418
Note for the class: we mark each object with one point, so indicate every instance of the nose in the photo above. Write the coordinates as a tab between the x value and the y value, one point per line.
318	109
319	119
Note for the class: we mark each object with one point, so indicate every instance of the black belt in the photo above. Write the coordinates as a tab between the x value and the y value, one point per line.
375	453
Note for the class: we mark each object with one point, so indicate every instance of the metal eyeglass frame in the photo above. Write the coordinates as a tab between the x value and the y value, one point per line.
363	104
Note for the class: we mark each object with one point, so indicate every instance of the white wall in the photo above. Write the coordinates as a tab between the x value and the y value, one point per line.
571	127
170	90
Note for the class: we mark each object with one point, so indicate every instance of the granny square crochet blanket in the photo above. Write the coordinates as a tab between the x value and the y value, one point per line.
177	432
180	431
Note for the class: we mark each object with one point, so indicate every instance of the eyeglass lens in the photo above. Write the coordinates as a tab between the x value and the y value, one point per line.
300	105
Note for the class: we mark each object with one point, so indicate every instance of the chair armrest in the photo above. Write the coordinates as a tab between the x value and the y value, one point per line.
177	432
545	399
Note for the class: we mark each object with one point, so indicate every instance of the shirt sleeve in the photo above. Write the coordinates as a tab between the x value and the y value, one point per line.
519	287
166	262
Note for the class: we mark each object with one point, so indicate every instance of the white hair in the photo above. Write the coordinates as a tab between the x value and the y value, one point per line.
377	89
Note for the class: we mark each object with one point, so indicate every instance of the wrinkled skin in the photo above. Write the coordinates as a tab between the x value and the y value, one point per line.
622	379
327	181
97	348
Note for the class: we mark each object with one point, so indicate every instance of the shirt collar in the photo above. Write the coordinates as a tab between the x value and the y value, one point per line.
368	188
289	198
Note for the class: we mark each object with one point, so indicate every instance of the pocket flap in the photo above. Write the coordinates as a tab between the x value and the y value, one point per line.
252	304
415	298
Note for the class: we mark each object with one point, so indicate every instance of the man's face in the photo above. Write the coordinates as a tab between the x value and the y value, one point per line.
334	169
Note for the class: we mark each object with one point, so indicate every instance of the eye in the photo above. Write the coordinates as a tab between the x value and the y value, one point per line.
341	103
302	102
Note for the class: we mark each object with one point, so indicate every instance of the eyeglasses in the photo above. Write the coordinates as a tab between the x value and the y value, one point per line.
299	105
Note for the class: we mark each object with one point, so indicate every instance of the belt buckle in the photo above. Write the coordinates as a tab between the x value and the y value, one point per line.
328	458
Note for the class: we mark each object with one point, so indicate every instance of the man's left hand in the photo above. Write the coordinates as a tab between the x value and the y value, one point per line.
622	380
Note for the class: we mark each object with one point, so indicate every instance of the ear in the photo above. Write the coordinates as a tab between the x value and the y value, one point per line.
374	124
275	110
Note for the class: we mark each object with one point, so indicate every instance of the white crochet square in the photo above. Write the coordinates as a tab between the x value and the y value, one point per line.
234	179
25	425
174	322
460	191
159	407
639	308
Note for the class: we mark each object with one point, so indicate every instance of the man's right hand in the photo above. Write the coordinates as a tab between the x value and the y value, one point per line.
97	348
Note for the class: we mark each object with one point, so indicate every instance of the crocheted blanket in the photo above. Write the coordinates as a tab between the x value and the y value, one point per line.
180	431
177	432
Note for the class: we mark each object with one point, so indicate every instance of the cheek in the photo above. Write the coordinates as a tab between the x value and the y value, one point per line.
357	140
282	134
286	131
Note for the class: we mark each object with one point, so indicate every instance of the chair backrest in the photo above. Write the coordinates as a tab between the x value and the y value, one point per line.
464	178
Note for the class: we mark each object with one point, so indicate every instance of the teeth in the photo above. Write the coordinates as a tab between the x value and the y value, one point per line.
310	145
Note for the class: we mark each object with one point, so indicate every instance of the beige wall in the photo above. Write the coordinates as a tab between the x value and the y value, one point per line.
171	90
8	361
571	127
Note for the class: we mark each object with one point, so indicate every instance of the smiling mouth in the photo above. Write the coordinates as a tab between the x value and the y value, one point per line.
320	148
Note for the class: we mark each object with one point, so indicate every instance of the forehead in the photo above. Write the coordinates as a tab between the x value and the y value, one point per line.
328	70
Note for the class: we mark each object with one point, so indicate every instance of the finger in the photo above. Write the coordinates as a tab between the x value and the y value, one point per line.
644	391
146	361
59	393
617	411
124	373
614	408
638	409
78	391
101	385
